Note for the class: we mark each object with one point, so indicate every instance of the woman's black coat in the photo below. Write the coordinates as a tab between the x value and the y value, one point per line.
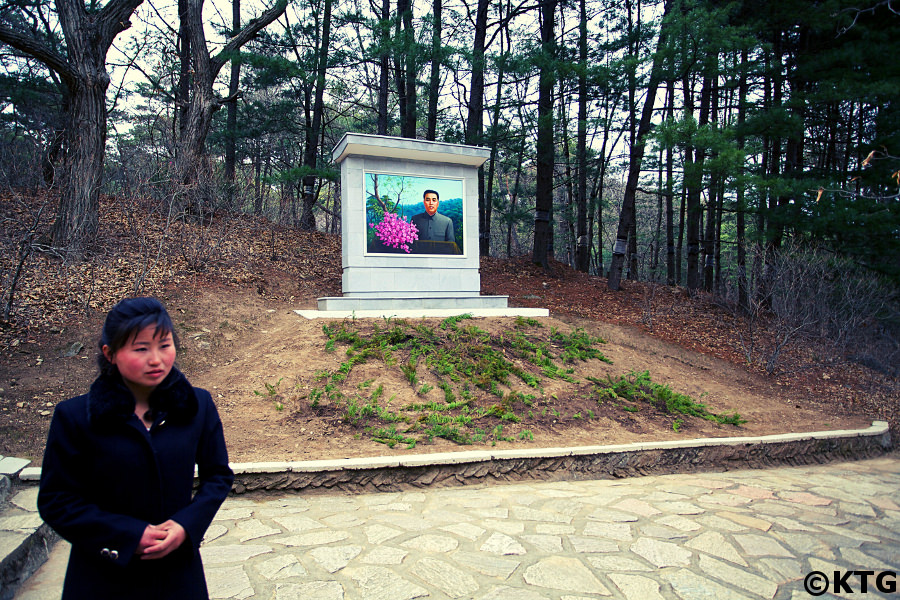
105	477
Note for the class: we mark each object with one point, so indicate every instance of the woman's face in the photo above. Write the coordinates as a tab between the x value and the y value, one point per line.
145	359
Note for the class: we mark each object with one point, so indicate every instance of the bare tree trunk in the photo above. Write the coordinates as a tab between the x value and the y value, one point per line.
435	79
658	233
475	117
582	244
566	224
405	68
485	234
545	150
627	216
709	243
384	65
183	93
307	218
412	69
679	250
743	298
78	216
633	266
694	184
670	216
234	82
514	195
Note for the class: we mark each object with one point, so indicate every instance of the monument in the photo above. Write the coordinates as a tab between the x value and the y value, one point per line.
409	231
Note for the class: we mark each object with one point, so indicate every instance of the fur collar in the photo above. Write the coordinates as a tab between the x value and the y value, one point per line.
110	401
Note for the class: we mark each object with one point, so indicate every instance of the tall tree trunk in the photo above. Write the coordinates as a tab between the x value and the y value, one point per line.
307	217
257	182
627	216
545	150
435	80
658	233
384	66
399	62
597	196
709	243
679	250
670	216
582	244
78	215
405	68
633	266
567	225
412	68
709	236
183	93
693	179
485	237
743	297
475	117
233	84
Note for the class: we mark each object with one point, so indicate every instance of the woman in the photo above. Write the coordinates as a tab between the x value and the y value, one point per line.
118	470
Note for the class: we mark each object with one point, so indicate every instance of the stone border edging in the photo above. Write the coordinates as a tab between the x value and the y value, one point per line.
393	473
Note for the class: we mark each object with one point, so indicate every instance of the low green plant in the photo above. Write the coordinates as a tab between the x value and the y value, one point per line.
448	432
498	434
527	322
453	322
409	371
271	389
637	386
578	345
376	394
391	437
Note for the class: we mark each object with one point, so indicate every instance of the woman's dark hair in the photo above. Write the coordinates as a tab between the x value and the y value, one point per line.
127	319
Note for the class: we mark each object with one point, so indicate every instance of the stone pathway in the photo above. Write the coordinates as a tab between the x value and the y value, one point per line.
721	536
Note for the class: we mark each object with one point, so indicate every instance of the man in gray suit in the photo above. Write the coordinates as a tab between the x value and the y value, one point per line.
431	225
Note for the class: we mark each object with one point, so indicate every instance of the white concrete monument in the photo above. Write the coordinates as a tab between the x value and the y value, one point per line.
409	219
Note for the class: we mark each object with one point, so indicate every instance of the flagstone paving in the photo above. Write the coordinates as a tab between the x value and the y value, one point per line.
734	535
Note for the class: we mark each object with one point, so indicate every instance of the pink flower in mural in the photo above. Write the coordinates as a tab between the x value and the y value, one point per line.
396	232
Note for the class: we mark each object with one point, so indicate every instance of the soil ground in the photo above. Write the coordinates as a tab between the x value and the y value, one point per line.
239	333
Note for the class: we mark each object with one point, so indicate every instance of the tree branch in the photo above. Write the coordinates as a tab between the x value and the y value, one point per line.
33	47
245	35
115	18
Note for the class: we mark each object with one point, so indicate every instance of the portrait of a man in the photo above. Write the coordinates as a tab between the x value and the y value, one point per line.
412	215
432	225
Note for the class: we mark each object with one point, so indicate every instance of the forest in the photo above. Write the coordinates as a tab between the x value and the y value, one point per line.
747	150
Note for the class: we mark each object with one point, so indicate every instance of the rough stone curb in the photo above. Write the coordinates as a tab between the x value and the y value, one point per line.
393	473
384	474
25	559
